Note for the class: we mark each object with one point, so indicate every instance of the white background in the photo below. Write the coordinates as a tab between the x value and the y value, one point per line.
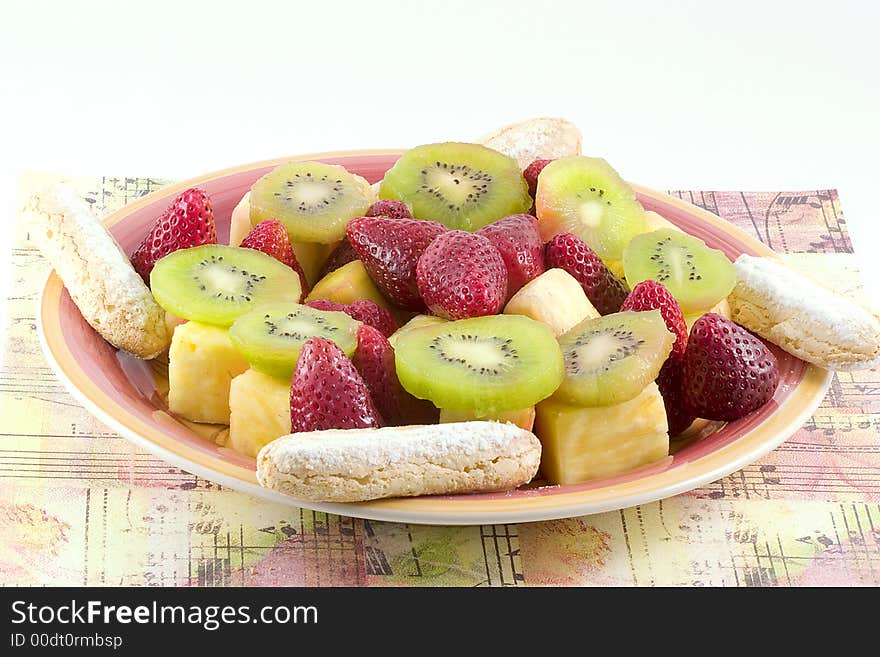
683	95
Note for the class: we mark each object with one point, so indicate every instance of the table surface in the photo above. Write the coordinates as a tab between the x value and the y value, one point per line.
80	505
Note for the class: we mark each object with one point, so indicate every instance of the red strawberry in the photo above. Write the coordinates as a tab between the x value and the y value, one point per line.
651	295
270	237
363	310
327	392
389	208
728	372
518	241
462	275
669	381
341	255
188	221
374	359
531	174
390	250
569	252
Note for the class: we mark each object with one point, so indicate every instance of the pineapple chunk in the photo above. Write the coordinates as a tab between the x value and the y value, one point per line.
348	284
722	308
259	407
416	322
201	365
655	221
311	256
523	418
240	223
555	298
581	443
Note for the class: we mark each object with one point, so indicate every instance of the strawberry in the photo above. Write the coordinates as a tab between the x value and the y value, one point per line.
188	221
531	174
669	381
270	237
728	372
462	275
363	310
389	208
341	255
518	241
571	253
390	250
374	359
651	295
327	392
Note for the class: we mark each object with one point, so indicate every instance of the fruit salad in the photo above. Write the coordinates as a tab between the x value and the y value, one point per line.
464	291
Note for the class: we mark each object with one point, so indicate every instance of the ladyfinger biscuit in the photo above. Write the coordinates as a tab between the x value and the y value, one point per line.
802	317
111	296
354	465
534	139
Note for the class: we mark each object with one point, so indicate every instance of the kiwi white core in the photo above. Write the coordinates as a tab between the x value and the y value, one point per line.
486	355
226	281
590	213
456	184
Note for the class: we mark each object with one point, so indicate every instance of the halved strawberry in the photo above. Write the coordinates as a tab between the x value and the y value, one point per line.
390	249
462	275
569	252
270	237
728	372
327	392
187	221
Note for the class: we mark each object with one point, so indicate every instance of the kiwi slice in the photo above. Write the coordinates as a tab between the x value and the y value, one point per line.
464	186
585	196
215	284
313	200
610	359
484	364
271	337
697	276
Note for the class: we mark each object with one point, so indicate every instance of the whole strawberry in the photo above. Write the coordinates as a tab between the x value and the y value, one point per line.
518	241
390	208
327	392
363	310
270	237
571	253
462	275
390	250
187	221
374	359
341	255
728	372
651	295
531	174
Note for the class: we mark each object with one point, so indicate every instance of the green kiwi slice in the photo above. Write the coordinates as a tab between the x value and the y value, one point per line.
585	196
610	359
696	275
484	364
271	337
216	284
313	200
464	186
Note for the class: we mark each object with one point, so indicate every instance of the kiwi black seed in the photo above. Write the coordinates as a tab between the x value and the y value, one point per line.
484	364
216	284
610	359
464	186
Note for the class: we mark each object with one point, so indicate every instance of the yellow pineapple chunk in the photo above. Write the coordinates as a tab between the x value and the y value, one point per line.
555	298
523	418
311	256
581	443
346	285
259	407
418	321
721	308
240	223
201	365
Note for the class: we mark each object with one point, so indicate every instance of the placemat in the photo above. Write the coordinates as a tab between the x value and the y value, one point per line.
81	506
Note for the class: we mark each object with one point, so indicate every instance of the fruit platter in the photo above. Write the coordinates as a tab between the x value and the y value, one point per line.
457	333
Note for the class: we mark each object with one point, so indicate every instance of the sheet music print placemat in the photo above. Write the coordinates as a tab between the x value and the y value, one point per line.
80	505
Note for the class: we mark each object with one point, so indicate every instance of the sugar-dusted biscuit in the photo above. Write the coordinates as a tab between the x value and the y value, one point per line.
109	293
535	139
354	465
802	317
